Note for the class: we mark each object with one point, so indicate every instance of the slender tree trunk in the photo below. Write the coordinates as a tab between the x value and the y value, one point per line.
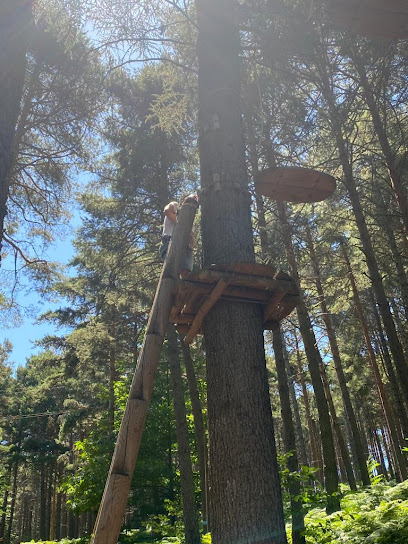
386	225
314	359
112	378
246	501
396	392
298	422
348	407
380	454
7	537
15	18
394	167
190	514
289	440
200	435
391	459
43	503
5	502
382	394
345	457
317	460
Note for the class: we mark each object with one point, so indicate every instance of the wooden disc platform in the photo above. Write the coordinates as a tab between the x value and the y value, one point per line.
195	295
295	184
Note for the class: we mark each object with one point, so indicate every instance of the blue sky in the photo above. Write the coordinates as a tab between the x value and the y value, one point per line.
33	304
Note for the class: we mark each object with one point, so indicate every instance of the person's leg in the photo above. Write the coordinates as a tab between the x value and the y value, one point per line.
164	246
187	263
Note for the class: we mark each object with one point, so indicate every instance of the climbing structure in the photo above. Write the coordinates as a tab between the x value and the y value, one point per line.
186	303
274	291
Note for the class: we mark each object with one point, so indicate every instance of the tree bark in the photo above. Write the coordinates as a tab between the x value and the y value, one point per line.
190	514
245	497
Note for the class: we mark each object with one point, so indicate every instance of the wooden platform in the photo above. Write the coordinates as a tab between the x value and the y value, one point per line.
243	282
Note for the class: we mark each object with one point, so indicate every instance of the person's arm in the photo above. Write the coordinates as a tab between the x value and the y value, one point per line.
170	212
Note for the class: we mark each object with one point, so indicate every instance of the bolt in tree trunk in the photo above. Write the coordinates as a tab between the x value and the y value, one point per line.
190	514
245	498
199	428
289	440
331	479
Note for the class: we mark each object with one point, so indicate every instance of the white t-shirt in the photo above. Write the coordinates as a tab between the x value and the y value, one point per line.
168	225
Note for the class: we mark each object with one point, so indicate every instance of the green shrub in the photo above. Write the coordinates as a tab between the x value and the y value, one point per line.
375	516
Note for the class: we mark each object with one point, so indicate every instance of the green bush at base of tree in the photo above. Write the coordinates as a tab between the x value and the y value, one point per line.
375	516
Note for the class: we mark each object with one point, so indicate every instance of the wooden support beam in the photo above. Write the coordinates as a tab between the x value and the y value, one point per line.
205	308
270	309
112	508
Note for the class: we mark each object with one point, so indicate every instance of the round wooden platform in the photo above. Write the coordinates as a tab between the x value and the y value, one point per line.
295	184
195	295
377	19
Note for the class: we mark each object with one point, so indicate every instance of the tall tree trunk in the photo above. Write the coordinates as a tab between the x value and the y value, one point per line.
43	502
316	457
331	479
394	166
298	423
246	501
345	457
396	392
348	407
5	501
7	537
15	19
190	514
289	440
381	392
386	225
380	454
200	436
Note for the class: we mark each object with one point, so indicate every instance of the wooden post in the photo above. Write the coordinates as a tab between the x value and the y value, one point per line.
112	508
